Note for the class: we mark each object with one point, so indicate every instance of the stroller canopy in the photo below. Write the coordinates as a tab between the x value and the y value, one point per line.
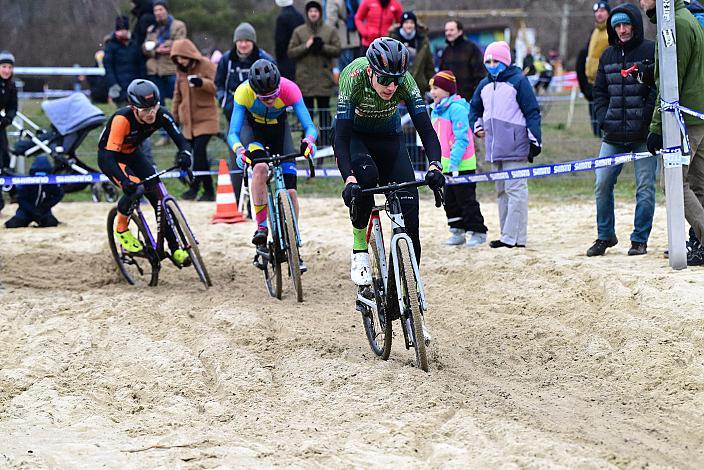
72	113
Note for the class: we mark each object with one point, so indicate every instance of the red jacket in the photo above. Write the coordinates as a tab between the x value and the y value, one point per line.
373	20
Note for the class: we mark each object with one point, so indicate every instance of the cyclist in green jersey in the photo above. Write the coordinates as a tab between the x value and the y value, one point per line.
369	144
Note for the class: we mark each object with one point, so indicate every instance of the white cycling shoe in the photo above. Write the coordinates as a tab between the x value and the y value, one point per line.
361	272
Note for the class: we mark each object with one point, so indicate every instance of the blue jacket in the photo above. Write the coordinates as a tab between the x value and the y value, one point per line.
697	9
36	201
506	108
123	63
231	73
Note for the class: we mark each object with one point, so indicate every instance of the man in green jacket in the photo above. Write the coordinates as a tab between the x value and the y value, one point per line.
690	74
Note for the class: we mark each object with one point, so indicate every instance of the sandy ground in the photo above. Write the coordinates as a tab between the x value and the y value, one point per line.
542	357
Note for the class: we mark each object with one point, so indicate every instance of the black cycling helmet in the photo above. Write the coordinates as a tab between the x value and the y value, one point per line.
388	57
264	77
142	94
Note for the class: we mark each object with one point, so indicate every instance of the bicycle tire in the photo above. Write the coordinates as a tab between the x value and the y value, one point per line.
410	294
382	350
188	241
124	259
272	273
289	234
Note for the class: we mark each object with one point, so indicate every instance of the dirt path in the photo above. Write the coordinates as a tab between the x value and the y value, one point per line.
541	357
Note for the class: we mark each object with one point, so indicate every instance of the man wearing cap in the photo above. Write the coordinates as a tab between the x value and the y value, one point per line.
690	76
598	42
314	46
288	20
414	36
123	61
623	109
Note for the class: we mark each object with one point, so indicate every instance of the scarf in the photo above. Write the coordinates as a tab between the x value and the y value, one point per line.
163	32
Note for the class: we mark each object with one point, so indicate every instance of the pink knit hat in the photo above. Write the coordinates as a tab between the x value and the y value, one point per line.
499	51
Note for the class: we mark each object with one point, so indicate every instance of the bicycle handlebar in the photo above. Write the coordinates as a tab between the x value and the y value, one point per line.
277	159
189	174
392	188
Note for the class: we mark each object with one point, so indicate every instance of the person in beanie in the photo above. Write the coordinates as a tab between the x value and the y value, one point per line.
374	18
598	42
314	46
8	109
505	112
123	61
624	108
194	107
451	123
414	36
288	20
337	16
463	57
233	69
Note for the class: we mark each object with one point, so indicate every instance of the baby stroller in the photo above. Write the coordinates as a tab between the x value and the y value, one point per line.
72	118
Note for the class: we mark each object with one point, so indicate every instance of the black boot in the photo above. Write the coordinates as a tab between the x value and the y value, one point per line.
599	247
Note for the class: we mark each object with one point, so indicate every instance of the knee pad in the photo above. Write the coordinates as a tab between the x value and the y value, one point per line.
365	170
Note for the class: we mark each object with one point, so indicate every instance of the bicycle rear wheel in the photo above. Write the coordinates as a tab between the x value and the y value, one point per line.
272	271
187	241
377	324
412	306
136	268
289	236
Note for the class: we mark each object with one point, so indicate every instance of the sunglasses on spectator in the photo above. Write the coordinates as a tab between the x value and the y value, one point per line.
271	96
385	80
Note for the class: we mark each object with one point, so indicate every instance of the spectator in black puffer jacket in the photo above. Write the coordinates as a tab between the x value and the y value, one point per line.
623	109
123	61
8	106
288	20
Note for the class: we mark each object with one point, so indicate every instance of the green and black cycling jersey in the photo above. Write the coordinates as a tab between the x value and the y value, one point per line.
360	109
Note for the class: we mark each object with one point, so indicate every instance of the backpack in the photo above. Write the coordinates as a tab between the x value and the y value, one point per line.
352	7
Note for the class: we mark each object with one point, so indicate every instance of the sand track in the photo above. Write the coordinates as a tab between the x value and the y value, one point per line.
541	357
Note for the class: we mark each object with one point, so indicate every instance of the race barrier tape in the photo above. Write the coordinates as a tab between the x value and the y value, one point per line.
539	171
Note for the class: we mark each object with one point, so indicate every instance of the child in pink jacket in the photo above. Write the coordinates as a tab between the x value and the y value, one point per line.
450	119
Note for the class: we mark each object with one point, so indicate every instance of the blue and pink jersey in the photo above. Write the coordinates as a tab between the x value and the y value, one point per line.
246	101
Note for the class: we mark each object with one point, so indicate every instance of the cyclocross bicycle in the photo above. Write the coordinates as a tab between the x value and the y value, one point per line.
144	266
399	296
285	239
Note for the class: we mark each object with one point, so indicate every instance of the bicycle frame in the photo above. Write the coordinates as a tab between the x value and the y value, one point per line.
161	217
276	186
399	233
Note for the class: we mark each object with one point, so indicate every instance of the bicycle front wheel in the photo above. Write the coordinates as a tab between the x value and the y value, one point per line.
377	324
136	268
289	237
188	241
409	288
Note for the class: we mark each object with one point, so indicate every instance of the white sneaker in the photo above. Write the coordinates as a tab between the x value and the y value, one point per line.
476	239
456	237
361	272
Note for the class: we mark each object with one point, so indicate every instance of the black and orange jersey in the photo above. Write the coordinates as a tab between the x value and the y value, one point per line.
123	133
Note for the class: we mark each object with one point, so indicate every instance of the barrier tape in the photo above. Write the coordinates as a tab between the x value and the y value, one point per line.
675	156
539	171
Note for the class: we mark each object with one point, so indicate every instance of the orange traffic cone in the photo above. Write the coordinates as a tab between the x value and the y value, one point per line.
226	203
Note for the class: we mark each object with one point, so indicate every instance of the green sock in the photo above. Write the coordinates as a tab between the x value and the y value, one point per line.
360	239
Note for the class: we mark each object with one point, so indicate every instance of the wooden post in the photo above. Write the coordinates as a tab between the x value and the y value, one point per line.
667	65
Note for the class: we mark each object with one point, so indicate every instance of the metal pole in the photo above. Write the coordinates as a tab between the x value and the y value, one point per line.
667	65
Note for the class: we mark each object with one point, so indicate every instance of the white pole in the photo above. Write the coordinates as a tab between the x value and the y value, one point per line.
667	65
